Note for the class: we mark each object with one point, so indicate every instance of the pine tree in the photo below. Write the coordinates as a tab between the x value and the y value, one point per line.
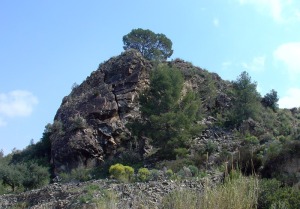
169	118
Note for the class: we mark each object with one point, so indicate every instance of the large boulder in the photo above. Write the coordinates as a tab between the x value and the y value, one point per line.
90	124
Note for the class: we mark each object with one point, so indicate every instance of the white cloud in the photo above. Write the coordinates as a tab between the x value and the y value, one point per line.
289	54
216	22
17	103
280	10
257	64
291	99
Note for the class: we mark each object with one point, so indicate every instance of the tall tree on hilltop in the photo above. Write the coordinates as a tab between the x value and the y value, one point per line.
152	46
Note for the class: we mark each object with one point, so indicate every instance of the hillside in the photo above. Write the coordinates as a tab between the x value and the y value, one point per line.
167	115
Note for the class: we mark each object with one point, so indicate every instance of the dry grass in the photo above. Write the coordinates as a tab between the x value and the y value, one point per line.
239	192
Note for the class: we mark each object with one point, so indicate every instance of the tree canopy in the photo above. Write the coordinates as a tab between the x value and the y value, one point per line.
246	101
170	117
152	46
270	100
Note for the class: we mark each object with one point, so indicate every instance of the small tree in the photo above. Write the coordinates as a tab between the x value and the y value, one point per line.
270	100
152	46
35	176
169	117
246	101
12	175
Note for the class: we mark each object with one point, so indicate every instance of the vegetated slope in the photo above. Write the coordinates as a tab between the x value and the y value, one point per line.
106	120
91	126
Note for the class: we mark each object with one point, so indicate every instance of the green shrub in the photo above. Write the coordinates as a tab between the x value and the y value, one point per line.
273	195
121	172
211	147
251	140
181	152
57	128
106	199
129	171
185	172
78	122
169	173
35	176
117	171
154	174
78	174
194	170
277	156
143	174
176	165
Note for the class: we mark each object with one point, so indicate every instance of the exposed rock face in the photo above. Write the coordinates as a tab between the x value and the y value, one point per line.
90	123
89	127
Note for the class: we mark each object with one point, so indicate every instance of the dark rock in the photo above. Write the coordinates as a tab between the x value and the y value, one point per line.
90	125
106	101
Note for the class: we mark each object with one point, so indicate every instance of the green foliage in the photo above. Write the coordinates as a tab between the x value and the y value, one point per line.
272	194
152	46
29	168
210	147
39	153
169	173
78	174
154	174
129	171
279	154
251	140
121	172
78	122
29	175
164	92
143	174
208	92
270	100
194	170
181	152
170	119
57	128
12	175
176	165
246	103
35	176
117	170
101	198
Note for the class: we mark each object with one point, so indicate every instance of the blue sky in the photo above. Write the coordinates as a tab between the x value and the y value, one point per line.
47	46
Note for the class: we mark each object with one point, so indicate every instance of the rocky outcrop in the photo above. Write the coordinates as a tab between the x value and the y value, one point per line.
90	124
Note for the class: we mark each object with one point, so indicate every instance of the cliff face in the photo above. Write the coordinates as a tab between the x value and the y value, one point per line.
90	123
89	127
